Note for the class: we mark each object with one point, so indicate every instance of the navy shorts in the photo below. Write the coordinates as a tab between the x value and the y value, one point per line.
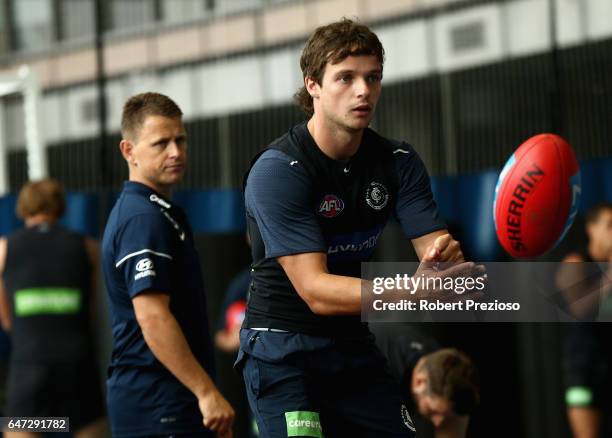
300	385
70	389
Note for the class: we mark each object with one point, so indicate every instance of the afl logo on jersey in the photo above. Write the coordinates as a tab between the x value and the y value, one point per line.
331	206
377	196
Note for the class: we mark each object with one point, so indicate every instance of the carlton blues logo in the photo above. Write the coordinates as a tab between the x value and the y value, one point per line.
331	206
377	196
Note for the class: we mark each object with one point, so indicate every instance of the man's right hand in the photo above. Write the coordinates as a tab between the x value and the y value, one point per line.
217	413
432	266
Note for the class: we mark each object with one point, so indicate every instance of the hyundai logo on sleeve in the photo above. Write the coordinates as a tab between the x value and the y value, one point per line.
144	268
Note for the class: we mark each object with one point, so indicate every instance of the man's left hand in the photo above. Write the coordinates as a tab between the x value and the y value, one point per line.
446	249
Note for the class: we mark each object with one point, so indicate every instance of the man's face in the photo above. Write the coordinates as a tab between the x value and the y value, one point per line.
600	231
436	409
348	92
158	155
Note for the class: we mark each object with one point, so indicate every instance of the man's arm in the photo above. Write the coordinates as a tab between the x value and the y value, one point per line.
228	340
165	338
5	308
585	421
328	294
325	293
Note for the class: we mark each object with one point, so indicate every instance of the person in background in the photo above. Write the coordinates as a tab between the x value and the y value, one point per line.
162	368
231	316
585	281
441	383
232	311
48	303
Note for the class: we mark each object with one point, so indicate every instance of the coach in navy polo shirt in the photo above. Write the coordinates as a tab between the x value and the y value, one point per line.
161	371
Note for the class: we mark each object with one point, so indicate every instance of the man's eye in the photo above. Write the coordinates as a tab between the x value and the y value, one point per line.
345	78
374	78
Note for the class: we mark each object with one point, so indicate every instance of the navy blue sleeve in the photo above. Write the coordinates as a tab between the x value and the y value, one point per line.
416	209
278	197
144	254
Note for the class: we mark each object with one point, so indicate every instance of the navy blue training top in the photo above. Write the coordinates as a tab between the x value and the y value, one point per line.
148	246
278	195
300	200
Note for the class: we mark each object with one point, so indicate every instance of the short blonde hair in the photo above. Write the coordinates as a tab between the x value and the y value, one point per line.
138	107
41	197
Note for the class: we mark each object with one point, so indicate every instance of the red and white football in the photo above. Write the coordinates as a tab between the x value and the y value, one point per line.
536	197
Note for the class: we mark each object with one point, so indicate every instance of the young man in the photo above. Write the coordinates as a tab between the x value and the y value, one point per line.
48	305
160	377
317	200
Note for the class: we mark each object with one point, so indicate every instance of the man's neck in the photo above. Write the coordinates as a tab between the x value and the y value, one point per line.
165	191
336	143
38	219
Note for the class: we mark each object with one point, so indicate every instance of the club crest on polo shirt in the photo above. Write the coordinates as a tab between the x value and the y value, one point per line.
407	419
331	206
377	196
144	268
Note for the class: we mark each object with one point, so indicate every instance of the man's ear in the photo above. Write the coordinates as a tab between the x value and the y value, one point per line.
312	87
127	150
420	382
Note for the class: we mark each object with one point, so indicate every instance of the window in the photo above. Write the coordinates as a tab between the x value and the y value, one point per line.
77	19
230	6
33	21
4	29
180	11
467	36
128	14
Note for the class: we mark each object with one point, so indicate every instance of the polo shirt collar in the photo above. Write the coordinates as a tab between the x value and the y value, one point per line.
148	192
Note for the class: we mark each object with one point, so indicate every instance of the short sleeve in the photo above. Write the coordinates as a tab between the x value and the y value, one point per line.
416	209
144	254
278	197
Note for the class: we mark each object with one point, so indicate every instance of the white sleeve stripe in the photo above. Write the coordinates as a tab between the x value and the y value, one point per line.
161	254
401	151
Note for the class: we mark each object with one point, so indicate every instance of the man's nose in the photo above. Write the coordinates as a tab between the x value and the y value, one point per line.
362	87
175	149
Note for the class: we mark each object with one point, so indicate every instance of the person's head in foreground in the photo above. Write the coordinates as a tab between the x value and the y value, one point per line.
41	201
154	141
444	386
342	66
